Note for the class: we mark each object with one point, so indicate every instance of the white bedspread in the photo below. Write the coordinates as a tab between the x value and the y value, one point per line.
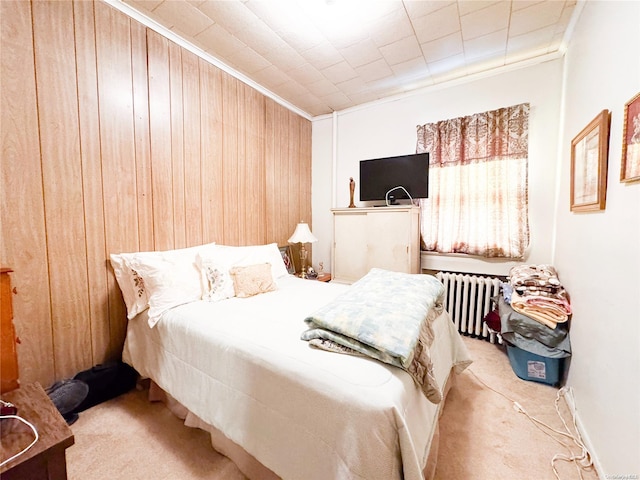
304	413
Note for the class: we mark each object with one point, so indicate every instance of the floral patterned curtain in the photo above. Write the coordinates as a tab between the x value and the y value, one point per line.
478	197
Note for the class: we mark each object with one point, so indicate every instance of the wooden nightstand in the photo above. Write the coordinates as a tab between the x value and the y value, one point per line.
46	459
324	277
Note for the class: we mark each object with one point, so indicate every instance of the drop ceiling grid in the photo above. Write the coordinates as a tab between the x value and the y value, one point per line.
299	54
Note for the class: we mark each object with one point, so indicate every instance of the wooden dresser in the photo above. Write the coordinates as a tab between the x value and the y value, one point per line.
8	354
46	460
383	237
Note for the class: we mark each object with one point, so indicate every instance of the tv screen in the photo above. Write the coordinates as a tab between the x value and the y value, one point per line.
380	175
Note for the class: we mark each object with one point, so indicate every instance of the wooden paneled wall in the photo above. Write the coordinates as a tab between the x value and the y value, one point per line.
115	139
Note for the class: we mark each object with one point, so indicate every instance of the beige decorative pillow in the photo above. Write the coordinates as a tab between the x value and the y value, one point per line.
252	280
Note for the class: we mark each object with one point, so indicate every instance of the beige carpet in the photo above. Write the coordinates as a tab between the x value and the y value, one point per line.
482	436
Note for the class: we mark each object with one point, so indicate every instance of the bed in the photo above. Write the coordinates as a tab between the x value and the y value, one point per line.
279	408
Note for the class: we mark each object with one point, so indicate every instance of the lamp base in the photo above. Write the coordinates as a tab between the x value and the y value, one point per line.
303	261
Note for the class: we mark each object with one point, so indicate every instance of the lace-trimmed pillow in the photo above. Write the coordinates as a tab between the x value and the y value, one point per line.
252	280
216	281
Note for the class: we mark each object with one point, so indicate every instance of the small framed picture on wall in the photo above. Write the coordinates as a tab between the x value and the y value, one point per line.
589	151
630	169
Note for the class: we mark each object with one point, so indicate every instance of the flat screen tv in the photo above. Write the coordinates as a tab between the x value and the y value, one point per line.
378	176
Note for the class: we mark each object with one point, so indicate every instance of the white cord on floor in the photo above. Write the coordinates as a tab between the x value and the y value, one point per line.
582	461
35	432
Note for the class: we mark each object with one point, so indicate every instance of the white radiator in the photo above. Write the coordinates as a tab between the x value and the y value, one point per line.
468	300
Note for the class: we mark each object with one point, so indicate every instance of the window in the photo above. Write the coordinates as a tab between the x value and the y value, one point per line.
477	201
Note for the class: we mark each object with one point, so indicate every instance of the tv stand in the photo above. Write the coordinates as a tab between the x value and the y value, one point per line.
364	238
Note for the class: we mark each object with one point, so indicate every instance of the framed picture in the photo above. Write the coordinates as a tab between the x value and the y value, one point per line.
630	170
589	151
286	258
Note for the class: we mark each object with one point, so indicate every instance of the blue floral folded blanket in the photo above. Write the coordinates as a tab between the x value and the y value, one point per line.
386	316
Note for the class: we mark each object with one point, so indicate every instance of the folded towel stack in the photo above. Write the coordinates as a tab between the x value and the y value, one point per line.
538	293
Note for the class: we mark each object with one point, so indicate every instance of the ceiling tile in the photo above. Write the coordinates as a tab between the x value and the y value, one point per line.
182	15
292	90
536	16
323	87
374	71
249	60
440	23
442	48
303	40
306	74
451	75
364	97
565	17
531	41
411	69
468	6
520	4
446	64
387	89
401	51
271	77
220	41
337	101
310	104
284	57
278	20
339	72
258	35
484	64
289	23
419	8
390	28
345	23
323	55
411	85
353	86
361	53
145	5
486	46
487	20
231	15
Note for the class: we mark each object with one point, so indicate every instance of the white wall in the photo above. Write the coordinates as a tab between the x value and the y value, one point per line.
389	128
598	254
321	191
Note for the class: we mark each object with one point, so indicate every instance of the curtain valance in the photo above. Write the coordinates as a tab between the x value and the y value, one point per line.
501	133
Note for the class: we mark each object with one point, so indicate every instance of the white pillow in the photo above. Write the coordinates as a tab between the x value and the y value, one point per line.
251	255
132	283
170	282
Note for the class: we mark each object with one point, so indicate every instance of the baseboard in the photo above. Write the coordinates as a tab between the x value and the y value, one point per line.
583	433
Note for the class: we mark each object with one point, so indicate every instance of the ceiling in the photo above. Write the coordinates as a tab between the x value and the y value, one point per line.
322	56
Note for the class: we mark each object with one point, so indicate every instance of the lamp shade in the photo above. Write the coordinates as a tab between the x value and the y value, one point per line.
302	234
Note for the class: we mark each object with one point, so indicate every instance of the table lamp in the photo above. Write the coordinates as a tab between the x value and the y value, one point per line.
303	235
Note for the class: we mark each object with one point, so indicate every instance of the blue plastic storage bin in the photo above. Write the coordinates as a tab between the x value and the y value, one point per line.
535	368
